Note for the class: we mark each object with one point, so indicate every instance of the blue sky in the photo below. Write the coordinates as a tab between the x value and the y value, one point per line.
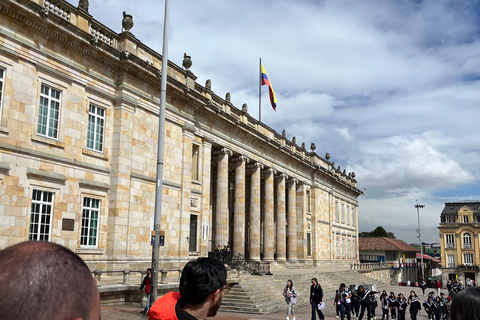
389	88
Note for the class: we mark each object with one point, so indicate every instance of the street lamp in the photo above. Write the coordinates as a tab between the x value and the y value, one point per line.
418	206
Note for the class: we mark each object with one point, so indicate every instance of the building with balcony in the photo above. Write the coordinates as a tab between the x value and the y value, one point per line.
459	228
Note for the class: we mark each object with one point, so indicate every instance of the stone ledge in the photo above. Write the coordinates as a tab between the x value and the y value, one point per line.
94	154
48	141
89	251
44	175
4	130
93	185
4	167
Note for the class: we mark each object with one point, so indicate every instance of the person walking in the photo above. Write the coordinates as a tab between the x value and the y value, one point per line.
415	305
343	300
147	285
316	297
423	286
392	305
384	304
364	302
290	295
438	286
402	306
428	305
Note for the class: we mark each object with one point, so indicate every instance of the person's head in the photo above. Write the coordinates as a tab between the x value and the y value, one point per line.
442	294
400	296
465	305
342	286
149	271
384	292
429	299
413	294
361	289
202	281
392	294
314	281
437	298
289	284
45	281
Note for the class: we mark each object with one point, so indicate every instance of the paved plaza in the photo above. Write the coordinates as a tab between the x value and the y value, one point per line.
128	312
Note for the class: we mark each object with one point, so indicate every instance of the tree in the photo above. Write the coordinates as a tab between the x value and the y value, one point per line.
378	232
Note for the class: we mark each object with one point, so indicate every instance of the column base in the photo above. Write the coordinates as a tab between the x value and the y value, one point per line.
292	260
281	260
268	260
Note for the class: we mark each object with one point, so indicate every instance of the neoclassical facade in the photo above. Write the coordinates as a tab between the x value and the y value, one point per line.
459	228
78	138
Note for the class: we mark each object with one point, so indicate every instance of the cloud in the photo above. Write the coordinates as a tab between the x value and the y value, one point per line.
345	133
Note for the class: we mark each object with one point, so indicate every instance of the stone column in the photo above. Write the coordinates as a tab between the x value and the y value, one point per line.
292	221
221	214
239	210
281	236
254	234
301	237
268	219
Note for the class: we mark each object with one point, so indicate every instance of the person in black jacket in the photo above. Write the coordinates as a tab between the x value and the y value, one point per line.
355	304
392	305
402	306
316	297
415	305
364	298
428	305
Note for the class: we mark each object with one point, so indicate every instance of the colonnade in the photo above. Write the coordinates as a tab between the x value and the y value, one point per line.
269	207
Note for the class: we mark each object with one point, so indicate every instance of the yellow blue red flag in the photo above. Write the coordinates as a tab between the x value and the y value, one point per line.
266	81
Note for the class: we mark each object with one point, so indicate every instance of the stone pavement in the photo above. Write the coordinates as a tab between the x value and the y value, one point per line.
303	312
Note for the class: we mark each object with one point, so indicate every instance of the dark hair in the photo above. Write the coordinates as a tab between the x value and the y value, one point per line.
342	285
413	293
315	279
200	278
465	305
363	289
291	284
42	280
391	292
149	269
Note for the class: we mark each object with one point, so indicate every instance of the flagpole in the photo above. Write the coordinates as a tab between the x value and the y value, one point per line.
260	92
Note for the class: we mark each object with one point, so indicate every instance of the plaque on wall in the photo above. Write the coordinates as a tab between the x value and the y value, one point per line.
195	203
68	224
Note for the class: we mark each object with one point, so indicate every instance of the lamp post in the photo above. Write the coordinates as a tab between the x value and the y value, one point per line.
418	206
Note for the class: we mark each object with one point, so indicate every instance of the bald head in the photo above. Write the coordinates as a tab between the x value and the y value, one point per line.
42	280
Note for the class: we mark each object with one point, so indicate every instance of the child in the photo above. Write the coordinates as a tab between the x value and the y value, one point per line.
428	305
373	305
402	306
392	305
147	284
384	304
415	306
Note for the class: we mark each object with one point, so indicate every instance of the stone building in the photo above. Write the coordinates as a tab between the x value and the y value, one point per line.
78	135
459	228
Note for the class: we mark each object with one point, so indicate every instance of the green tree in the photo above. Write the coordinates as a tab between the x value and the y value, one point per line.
379	232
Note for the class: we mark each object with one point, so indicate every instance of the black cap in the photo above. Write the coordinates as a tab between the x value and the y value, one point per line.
342	285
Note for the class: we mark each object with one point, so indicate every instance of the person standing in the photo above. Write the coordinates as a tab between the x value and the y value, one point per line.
203	284
392	305
438	286
437	308
290	295
343	300
415	305
355	305
364	302
316	297
428	305
423	286
402	306
373	304
147	284
384	304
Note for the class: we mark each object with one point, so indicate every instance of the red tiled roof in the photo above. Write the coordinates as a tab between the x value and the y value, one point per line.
427	257
383	244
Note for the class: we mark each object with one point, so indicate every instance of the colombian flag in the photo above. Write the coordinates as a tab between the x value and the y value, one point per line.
265	81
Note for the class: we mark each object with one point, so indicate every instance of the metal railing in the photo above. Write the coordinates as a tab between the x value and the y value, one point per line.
369	265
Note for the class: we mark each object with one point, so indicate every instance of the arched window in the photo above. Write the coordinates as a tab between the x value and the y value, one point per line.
467	240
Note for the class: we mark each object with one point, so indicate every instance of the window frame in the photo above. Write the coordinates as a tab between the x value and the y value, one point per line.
2	88
467	240
471	259
450	264
344	249
35	236
451	244
58	118
193	234
195	162
337	214
465	219
89	221
96	118
337	242
343	213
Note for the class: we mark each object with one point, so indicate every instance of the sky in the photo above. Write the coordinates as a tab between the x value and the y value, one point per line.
389	88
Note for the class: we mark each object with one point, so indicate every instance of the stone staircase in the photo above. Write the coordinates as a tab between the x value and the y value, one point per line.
264	294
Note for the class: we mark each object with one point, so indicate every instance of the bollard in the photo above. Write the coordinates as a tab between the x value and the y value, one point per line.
239	273
98	276
164	276
126	276
228	272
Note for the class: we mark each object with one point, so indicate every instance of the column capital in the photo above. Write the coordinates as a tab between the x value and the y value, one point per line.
224	151
293	181
272	171
281	176
241	158
256	164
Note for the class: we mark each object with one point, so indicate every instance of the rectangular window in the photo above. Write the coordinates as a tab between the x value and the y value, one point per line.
336	212
354	218
337	243
448	219
468	259
465	219
41	215
192	241
90	217
95	130
348	215
49	112
344	249
2	81
308	201
309	244
195	156
354	248
449	239
451	260
343	213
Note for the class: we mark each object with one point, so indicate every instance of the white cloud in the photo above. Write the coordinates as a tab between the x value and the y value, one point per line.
345	133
